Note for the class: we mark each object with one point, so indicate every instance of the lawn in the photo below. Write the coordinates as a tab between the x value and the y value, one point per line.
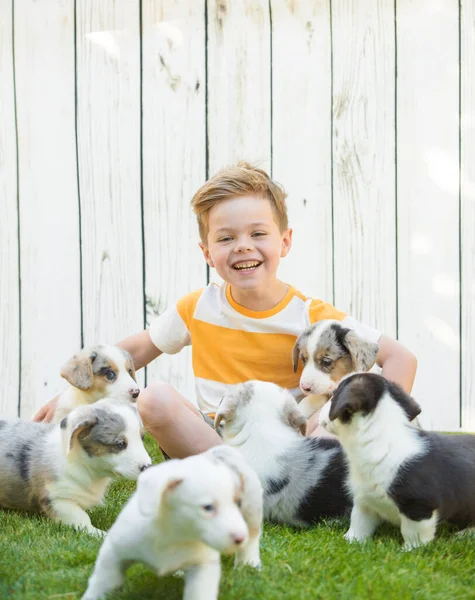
41	559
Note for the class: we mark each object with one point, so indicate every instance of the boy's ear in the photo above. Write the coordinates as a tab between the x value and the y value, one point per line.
286	242
206	254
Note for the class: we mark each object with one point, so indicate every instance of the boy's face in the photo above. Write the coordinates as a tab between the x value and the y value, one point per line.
244	242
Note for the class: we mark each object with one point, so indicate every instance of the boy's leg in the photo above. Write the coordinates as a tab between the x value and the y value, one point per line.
176	424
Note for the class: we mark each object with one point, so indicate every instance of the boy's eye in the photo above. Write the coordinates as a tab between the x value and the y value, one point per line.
258	233
225	239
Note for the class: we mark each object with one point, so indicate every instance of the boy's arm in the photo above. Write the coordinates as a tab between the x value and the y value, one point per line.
398	363
141	348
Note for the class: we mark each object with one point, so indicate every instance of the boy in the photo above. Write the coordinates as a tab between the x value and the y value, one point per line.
243	329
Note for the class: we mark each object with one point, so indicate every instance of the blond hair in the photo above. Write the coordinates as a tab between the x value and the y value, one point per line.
242	179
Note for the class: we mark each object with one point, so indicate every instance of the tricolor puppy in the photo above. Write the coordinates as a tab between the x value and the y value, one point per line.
95	373
303	478
397	473
329	353
62	470
182	516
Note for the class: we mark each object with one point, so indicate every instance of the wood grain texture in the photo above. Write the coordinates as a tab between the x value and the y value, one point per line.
108	87
364	162
301	133
428	211
50	280
467	229
174	116
239	80
9	300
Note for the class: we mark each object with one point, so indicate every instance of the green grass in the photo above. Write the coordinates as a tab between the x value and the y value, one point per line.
42	559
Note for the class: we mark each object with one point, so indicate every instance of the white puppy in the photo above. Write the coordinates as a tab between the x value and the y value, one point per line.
183	514
95	373
397	473
329	353
62	470
303	478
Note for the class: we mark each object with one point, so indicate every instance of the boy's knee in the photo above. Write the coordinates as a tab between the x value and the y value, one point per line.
157	403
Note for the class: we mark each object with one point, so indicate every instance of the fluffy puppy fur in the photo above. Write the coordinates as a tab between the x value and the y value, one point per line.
183	514
329	353
95	373
303	478
62	470
409	477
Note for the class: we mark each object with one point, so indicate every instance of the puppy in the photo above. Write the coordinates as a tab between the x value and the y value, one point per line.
96	373
183	514
62	470
409	477
329	353
303	478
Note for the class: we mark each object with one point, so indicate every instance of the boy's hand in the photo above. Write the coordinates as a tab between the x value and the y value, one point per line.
46	412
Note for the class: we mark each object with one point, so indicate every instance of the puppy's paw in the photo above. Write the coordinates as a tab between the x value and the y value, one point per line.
94	531
352	536
248	561
465	533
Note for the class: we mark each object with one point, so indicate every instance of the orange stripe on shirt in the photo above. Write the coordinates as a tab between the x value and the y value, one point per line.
319	310
232	356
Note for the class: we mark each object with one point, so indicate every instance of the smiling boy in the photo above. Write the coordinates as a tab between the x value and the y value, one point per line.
244	328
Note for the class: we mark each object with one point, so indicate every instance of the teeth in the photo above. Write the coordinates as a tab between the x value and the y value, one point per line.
247	265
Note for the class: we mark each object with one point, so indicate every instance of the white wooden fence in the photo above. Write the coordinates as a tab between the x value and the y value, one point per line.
113	112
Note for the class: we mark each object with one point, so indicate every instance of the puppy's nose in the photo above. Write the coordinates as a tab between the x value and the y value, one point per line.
306	387
134	392
144	467
237	538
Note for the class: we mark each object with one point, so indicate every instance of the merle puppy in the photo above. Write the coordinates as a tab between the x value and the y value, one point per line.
303	478
397	473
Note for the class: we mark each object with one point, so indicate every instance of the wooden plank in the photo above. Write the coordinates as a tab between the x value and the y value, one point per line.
108	105
239	85
364	162
50	279
428	211
301	150
468	213
9	300
174	124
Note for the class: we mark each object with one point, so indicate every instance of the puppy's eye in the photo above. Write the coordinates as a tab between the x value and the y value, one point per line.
130	372
304	360
327	362
110	374
239	502
121	445
209	508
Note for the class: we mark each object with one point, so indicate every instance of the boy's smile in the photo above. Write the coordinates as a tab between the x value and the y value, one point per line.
245	245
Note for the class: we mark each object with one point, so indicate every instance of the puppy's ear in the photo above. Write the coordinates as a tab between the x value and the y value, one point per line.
81	429
226	410
406	402
293	416
363	353
344	405
78	370
296	355
152	486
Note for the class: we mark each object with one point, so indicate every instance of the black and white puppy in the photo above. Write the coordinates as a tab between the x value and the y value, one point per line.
303	478
397	473
62	470
329	352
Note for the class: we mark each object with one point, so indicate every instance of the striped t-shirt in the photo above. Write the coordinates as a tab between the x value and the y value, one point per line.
232	344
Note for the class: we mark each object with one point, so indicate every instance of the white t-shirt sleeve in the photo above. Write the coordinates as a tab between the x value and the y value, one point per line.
365	332
169	333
